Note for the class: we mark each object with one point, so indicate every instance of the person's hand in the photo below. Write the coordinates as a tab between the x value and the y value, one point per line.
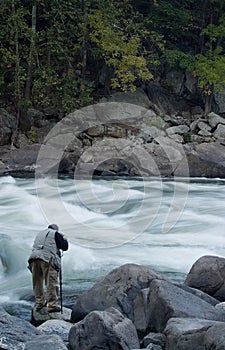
65	237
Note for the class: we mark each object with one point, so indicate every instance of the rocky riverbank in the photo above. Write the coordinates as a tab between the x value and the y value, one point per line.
128	135
133	307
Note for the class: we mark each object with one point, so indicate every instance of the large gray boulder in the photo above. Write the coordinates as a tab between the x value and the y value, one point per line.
21	160
208	275
137	97
14	332
124	289
56	326
194	333
7	125
165	300
45	342
104	330
206	159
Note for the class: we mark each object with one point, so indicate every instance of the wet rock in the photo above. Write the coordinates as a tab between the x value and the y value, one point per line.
107	329
7	125
122	289
14	332
208	275
46	342
194	333
165	300
214	119
207	159
158	339
56	326
219	133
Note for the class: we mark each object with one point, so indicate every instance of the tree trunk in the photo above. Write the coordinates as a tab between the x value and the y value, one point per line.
17	76
84	44
208	104
31	54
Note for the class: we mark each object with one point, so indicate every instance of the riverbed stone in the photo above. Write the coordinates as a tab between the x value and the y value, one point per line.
194	333
46	342
156	339
165	300
206	159
14	332
219	133
122	288
56	326
215	119
107	329
7	125
208	275
180	130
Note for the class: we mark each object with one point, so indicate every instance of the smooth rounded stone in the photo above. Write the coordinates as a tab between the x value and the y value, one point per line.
208	275
46	342
194	333
155	339
122	288
220	306
214	119
166	300
107	329
14	332
59	327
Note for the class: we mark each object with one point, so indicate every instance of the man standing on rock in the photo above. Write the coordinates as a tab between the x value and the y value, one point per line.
45	263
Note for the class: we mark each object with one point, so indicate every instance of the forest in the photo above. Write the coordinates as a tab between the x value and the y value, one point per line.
70	53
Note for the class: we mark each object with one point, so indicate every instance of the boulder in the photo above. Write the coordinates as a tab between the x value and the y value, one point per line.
137	97
21	161
180	130
167	103
3	168
123	288
154	339
208	275
214	119
194	333
56	326
219	133
45	342
7	125
107	329
207	298
206	159
14	332
202	125
165	300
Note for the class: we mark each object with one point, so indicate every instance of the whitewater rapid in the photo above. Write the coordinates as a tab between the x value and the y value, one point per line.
165	224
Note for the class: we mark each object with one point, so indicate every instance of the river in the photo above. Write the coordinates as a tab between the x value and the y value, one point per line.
165	224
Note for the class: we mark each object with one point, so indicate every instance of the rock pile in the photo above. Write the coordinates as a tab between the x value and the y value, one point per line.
128	140
134	307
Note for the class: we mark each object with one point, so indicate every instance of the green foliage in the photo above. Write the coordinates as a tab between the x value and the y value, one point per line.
176	58
209	66
74	93
59	54
120	49
33	136
210	70
187	137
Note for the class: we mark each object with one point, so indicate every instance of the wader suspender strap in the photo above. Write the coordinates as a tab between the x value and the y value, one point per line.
45	240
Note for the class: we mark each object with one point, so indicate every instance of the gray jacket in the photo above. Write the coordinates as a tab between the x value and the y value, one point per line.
45	248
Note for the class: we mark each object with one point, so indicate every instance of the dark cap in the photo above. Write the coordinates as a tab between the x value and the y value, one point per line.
54	227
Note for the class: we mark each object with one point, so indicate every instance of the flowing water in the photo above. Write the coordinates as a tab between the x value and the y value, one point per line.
165	224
